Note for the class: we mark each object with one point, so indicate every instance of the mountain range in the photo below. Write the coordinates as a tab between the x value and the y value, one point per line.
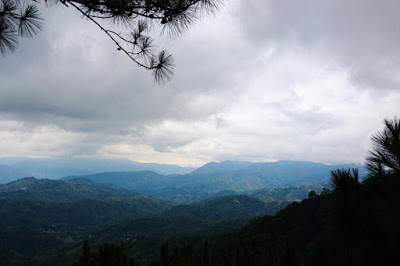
141	208
54	168
173	181
228	175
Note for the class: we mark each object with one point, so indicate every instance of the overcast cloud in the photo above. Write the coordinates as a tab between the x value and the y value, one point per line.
263	80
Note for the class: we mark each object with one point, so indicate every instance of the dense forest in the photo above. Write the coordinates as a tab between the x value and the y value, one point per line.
353	220
354	223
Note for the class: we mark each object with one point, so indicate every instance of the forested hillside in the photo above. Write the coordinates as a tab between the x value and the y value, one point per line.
56	215
353	220
354	223
63	190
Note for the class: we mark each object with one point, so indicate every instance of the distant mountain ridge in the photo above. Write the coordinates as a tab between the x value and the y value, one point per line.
53	168
144	181
228	175
221	167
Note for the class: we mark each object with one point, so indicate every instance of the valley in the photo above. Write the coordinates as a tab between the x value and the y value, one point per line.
143	208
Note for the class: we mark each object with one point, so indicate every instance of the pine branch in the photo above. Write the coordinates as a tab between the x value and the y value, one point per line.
174	15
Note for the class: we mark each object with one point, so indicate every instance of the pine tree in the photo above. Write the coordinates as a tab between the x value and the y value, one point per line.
385	157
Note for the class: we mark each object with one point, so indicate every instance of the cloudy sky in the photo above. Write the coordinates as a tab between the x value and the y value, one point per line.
263	80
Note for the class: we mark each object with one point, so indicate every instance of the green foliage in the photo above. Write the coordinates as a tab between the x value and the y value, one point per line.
385	157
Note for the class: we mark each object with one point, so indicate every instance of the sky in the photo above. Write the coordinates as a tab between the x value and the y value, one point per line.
262	80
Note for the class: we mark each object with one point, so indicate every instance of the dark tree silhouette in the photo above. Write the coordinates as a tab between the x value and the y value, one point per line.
312	194
106	254
343	180
385	156
20	18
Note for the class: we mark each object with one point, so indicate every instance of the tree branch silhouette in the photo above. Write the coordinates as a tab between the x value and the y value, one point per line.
20	19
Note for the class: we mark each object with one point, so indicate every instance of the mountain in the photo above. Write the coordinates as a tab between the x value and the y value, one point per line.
153	178
63	190
253	176
229	175
53	168
144	181
224	167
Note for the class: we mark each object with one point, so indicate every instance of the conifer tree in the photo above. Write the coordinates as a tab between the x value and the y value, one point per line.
385	156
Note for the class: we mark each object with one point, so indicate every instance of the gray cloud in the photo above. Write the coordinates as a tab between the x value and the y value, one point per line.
72	76
263	80
363	35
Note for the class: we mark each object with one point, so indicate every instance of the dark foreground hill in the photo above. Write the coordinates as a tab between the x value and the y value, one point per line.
355	224
52	217
72	218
